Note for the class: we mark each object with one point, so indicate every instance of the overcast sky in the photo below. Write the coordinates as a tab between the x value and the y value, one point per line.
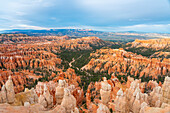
103	15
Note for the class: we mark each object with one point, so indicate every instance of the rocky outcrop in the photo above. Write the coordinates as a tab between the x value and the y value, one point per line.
46	99
7	95
166	91
19	79
7	92
28	97
115	97
6	108
160	55
120	102
162	109
156	94
138	102
69	101
103	109
126	63
3	95
32	58
59	94
129	97
105	91
162	43
10	90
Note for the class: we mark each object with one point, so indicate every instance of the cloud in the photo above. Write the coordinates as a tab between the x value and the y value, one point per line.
145	27
97	14
122	9
160	28
24	26
20	13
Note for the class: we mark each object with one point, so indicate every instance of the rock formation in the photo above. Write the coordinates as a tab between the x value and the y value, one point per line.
103	109
166	91
161	43
59	94
3	95
69	101
105	91
7	92
10	90
30	61
129	98
126	63
46	99
28	96
120	102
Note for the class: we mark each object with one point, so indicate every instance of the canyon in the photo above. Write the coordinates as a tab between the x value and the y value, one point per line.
49	74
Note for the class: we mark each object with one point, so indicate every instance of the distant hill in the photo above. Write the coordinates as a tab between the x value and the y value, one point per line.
112	36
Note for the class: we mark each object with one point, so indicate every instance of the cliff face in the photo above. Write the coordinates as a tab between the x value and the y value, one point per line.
152	43
23	38
55	42
126	63
158	48
33	59
160	55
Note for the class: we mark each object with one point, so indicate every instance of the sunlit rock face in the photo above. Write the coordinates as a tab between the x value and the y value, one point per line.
100	93
152	43
7	95
69	101
129	99
33	59
160	54
166	91
3	95
156	96
71	81
7	92
59	94
10	90
46	99
160	95
105	91
20	79
127	63
143	107
7	108
120	102
66	100
133	100
103	109
28	96
162	109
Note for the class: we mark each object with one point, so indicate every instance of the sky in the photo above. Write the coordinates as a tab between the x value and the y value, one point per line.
101	15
